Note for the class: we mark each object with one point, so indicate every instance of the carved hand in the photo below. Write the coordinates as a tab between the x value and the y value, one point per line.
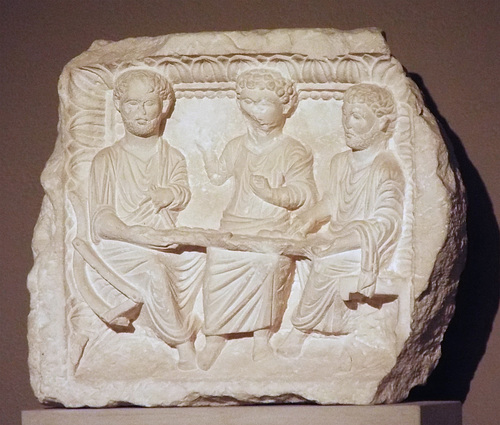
336	241
161	197
307	222
260	186
210	160
324	250
319	245
301	225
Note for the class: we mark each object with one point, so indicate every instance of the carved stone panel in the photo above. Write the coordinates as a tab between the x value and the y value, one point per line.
268	216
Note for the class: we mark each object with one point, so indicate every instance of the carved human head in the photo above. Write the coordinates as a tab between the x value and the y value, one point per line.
266	97
368	115
143	98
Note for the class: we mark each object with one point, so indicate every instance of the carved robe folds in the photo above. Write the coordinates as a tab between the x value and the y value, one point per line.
120	181
196	306
245	292
369	199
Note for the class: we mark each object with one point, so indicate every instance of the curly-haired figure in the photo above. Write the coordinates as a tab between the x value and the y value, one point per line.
244	292
365	206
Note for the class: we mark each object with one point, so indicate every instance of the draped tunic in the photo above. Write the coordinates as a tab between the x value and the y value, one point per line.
245	291
119	182
368	200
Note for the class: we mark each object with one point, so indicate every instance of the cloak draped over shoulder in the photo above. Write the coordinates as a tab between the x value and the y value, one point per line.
245	292
168	282
120	181
367	200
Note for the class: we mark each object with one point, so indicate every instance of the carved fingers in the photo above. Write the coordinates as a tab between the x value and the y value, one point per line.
203	151
322	246
160	197
307	223
207	155
261	187
299	226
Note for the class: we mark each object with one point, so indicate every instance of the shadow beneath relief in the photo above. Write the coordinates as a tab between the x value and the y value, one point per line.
478	293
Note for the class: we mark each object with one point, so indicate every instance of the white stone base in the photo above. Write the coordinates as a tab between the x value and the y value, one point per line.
422	413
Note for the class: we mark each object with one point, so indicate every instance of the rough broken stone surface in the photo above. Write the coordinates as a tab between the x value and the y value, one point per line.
240	217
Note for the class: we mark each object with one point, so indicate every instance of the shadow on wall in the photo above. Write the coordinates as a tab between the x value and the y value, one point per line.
478	292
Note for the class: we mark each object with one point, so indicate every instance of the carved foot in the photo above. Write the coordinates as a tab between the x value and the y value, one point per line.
187	356
291	347
213	348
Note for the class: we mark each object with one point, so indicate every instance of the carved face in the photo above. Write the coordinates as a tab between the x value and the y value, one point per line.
263	108
361	126
141	109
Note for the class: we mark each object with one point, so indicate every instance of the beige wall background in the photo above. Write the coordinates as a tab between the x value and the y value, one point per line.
451	47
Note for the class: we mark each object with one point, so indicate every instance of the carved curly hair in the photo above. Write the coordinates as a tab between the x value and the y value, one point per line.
268	79
377	98
156	82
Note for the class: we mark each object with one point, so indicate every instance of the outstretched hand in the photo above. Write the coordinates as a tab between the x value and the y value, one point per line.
207	154
209	159
300	226
261	187
318	246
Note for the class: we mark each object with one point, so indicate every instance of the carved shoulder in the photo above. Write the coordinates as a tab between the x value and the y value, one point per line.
292	148
387	164
341	157
105	155
174	153
236	142
233	147
295	145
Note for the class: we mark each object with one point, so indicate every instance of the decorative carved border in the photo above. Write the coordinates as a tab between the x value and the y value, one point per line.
86	96
84	93
214	76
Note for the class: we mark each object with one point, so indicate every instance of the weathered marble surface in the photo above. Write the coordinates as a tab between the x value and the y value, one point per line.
243	217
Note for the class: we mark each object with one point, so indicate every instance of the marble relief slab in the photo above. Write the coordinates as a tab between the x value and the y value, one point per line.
266	216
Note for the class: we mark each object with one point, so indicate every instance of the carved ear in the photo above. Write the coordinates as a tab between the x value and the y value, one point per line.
167	106
238	102
290	107
287	109
117	104
384	123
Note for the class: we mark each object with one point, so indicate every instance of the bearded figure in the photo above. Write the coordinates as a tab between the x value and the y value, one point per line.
137	188
365	206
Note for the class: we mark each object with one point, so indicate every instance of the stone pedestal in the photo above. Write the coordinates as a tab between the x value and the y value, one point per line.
423	413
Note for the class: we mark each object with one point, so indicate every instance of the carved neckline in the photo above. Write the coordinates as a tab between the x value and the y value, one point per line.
145	159
259	147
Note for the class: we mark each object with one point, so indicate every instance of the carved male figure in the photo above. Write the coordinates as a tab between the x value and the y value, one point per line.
138	186
365	206
245	292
